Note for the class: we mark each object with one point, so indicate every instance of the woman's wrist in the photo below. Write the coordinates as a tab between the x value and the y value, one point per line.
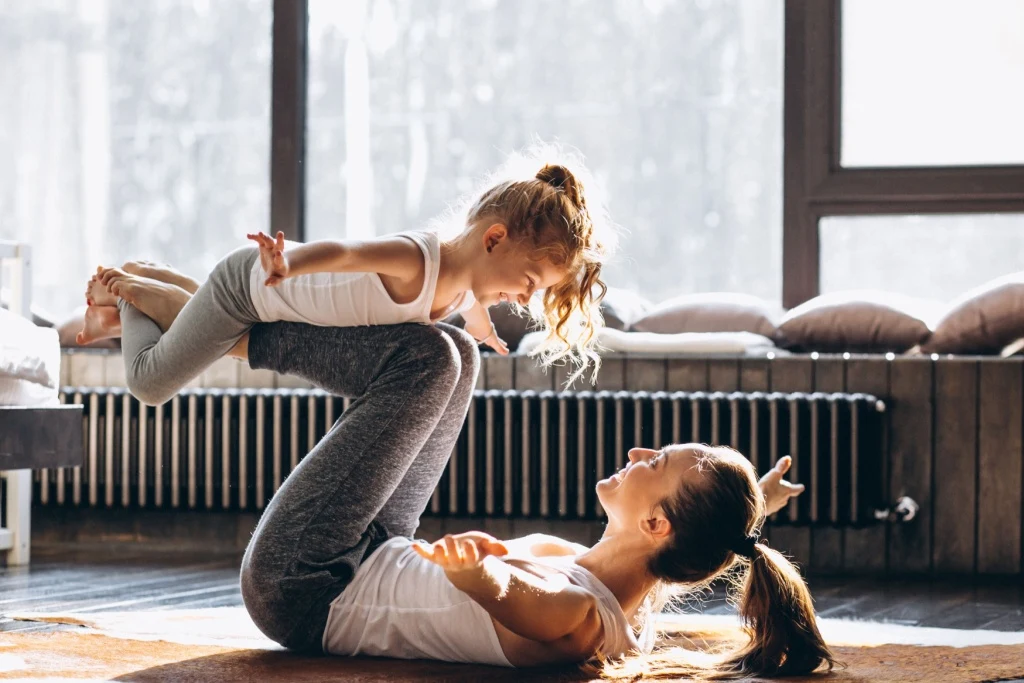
472	581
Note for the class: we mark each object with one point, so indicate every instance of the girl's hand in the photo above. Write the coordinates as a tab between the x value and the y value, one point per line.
497	344
272	257
491	339
461	552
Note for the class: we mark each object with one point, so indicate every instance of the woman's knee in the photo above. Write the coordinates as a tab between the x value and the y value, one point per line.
468	350
435	353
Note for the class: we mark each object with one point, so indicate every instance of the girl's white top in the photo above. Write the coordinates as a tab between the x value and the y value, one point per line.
350	299
403	606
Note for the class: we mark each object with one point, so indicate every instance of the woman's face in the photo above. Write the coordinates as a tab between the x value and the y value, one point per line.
634	493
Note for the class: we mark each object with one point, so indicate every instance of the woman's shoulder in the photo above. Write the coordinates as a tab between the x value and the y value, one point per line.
544	545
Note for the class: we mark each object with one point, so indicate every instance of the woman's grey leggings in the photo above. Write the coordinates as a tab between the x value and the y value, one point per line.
370	478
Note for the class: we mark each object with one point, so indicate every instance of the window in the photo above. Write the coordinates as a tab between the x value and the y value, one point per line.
936	256
904	108
676	104
132	130
932	82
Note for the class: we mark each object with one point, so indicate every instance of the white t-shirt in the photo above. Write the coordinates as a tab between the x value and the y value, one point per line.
402	606
351	299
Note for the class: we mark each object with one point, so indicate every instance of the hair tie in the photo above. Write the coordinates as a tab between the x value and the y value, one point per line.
745	547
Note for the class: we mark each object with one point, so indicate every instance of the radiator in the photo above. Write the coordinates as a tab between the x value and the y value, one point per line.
520	453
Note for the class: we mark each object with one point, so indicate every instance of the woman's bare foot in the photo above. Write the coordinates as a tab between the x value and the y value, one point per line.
96	293
162	273
159	300
101	322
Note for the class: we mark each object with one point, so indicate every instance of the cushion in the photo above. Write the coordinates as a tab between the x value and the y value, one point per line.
712	312
29	353
620	308
685	343
861	321
983	320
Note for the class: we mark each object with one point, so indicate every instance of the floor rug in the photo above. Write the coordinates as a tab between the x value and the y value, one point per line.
223	645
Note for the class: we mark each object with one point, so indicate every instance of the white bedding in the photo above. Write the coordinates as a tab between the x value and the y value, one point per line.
687	343
19	392
29	362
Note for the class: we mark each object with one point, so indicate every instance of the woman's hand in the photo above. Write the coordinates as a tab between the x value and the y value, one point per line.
777	491
272	257
461	552
558	613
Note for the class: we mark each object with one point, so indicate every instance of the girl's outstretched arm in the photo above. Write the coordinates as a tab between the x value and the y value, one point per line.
392	256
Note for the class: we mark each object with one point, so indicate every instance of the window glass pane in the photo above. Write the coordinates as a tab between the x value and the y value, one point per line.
132	130
932	82
676	105
938	257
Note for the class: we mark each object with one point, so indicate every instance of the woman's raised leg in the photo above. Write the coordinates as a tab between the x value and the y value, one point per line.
401	514
322	523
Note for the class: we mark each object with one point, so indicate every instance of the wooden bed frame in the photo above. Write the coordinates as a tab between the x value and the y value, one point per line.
30	438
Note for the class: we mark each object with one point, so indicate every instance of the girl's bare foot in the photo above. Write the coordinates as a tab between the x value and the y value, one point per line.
104	275
162	273
159	300
96	293
101	322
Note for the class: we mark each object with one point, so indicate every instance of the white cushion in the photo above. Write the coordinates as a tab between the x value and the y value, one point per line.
29	354
684	343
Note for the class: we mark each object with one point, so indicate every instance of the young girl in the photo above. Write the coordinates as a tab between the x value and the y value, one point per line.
520	237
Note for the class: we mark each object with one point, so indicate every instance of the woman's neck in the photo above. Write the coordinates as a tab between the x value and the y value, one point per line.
619	562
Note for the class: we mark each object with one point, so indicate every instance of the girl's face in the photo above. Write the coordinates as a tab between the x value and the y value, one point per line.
510	273
633	494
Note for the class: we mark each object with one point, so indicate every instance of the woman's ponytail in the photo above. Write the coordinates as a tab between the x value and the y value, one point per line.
777	610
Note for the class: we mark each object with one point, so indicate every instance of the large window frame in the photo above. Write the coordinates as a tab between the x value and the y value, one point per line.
816	185
289	78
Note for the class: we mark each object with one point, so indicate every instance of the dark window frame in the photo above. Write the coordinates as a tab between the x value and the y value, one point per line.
816	185
289	79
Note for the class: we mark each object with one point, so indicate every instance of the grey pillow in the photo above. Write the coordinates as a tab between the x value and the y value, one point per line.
863	321
620	308
983	320
712	312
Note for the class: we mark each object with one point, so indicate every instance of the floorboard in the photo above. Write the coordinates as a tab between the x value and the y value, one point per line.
115	578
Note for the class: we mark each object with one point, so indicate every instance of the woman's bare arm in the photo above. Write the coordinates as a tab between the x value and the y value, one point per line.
557	613
544	545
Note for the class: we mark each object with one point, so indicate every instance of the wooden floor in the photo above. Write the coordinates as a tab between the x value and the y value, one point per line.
115	579
124	578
